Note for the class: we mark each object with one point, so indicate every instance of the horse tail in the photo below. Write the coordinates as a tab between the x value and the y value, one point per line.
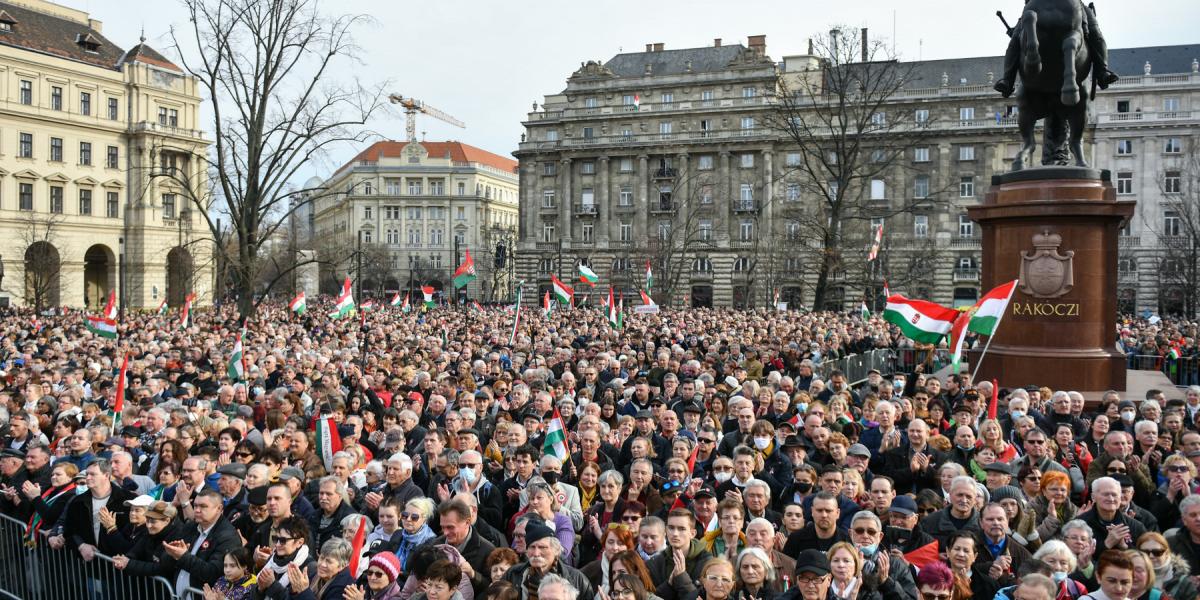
1032	58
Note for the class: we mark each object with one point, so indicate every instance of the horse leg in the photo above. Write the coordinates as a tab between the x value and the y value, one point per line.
1026	120
1076	119
1033	58
1070	86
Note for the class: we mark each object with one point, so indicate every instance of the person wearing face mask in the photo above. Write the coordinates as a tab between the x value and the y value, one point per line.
470	480
881	571
1062	562
568	495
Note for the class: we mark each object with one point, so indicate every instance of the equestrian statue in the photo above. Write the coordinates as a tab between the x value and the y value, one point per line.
1054	46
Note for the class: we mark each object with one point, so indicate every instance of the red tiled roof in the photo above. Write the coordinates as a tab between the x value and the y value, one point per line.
458	152
148	55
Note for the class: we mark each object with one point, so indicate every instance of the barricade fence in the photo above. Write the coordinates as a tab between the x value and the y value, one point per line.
1182	371
885	360
31	571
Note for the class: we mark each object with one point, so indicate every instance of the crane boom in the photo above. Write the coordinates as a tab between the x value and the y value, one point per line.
412	106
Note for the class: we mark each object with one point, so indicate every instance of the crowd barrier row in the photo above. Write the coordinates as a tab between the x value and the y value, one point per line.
1182	371
39	572
885	360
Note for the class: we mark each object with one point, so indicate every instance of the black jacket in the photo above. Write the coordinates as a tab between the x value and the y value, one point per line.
77	519
516	576
1100	530
941	527
207	564
333	528
806	539
475	552
684	585
146	556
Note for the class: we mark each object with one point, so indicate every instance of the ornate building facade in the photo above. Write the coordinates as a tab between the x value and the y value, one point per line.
95	142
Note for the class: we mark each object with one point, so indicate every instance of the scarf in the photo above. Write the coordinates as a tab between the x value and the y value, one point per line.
1163	574
604	572
586	497
50	496
281	570
849	592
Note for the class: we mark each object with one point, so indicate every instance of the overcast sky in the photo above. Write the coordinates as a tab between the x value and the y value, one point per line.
486	61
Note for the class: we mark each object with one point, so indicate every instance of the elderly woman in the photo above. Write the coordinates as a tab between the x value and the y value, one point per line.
1143	577
607	508
50	503
350	526
616	539
1171	572
383	580
332	575
716	580
727	539
1053	507
414	520
1063	562
755	575
1180	473
141	558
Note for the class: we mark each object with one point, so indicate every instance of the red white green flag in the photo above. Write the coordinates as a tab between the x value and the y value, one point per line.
874	253
345	301
103	327
546	306
406	307
919	320
555	443
396	299
119	398
646	299
649	276
427	290
564	293
237	361
465	273
516	314
328	441
162	308
587	276
299	304
185	317
110	308
987	313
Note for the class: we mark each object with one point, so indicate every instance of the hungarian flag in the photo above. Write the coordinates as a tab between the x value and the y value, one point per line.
776	298
396	300
587	275
516	314
298	304
987	313
37	326
236	368
328	441
406	307
958	332
637	102
621	313
103	327
110	308
119	396
465	273
562	292
611	305
546	303
874	253
427	290
475	304
360	536
866	312
923	556
368	305
556	439
162	308
887	293
1173	353
649	276
185	317
345	301
919	320
646	299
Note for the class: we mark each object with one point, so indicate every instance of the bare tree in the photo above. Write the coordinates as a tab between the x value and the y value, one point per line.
266	69
38	243
848	130
1178	232
681	228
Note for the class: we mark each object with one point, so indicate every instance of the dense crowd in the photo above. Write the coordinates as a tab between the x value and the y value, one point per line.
701	458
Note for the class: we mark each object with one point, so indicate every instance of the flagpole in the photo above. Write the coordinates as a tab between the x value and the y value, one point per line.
995	330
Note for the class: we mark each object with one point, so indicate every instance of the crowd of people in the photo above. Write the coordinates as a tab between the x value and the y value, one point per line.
690	454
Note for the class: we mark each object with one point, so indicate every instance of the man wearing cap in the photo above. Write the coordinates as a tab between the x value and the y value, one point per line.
644	427
901	534
233	491
543	557
293	479
677	568
255	514
998	475
858	457
12	478
812	575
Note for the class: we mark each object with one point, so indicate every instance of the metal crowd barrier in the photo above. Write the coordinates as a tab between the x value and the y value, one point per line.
856	366
41	572
1183	371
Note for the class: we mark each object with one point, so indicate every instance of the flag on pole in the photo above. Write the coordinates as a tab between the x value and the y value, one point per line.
637	102
237	361
475	304
923	556
995	399
298	304
103	327
587	275
919	320
345	301
958	332
185	317
396	300
612	309
328	441
406	307
516	313
162	308
360	537
649	276
367	306
546	303
1173	353
621	313
465	273
987	313
110	308
887	293
564	293
427	291
119	397
874	253
556	439
646	299
776	298
866	312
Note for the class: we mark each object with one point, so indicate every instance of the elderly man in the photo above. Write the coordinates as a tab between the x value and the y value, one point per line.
760	533
1004	556
124	476
889	574
812	575
912	466
543	559
1111	528
334	505
456	518
960	514
1185	541
470	480
554	587
400	485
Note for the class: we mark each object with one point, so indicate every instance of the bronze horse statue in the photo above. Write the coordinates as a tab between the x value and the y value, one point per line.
1054	66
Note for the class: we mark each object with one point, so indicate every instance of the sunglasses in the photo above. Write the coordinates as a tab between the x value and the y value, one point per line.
375	573
1156	552
631	518
707	441
468	465
932	596
278	539
407	516
1178	469
244	454
866	531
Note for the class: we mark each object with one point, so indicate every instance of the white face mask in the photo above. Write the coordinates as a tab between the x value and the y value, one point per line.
722	477
1128	415
762	442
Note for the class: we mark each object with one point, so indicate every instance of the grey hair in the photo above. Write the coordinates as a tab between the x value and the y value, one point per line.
339	487
1082	525
1142	426
759	521
611	475
336	549
401	459
866	515
1057	548
762	556
759	484
1188	501
958	469
962	480
1039	581
351	520
1148	404
569	591
1109	481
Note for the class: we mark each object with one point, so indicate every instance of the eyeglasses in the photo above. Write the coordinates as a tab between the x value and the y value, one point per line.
1178	469
720	580
935	596
810	581
407	516
866	531
468	465
1033	478
278	539
244	454
375	573
1035	442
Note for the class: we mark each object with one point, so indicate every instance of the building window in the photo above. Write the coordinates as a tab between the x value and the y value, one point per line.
435	237
56	149
168	206
966	227
55	98
113	111
704	162
921	226
25	196
112	158
706	95
460	238
547	232
552	135
590	102
664	230
747	123
746	230
792	159
921	115
462	188
368	213
749	91
879	119
56	199
706	194
1125	183
25	150
414	187
1173	146
668	98
547	198
966	114
587	197
793	230
437	187
620	265
664	128
628	100
878	189
705	230
367	238
921	186
173	118
26	91
702	264
461	213
747	160
966	187
746	195
546	265
588	133
113	209
1172	182
625	196
1123	106
741	264
85	153
966	153
162	115
367	188
393	237
587	167
85	202
1124	147
793	192
414	237
391	213
1172	224
588	232
435	213
85	103
626	232
1170	106
625	165
921	154
414	213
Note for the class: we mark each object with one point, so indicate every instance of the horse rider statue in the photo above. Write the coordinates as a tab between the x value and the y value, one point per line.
1097	49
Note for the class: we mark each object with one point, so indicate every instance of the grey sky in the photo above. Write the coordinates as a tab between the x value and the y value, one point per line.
485	62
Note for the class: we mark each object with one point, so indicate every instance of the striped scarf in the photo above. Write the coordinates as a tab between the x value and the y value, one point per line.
35	523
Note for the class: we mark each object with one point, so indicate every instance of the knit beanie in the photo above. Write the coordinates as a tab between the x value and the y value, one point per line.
1007	491
388	563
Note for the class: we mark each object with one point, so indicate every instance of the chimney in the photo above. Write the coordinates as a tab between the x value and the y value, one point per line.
757	43
716	42
649	47
658	47
810	46
865	52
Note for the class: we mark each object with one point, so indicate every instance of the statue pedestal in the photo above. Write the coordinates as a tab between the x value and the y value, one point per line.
1056	230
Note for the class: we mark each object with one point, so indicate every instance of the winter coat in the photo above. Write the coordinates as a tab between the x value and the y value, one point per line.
685	584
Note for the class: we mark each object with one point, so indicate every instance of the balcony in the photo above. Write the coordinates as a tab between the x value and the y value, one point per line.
551	207
666	173
624	208
1129	241
586	209
965	243
663	208
966	275
745	206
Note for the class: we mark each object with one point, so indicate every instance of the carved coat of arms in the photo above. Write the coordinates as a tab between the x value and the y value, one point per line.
1046	273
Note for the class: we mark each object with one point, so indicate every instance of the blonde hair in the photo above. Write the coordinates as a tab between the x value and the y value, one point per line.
854	553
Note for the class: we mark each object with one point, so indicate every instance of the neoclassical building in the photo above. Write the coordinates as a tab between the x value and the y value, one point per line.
417	207
95	144
607	164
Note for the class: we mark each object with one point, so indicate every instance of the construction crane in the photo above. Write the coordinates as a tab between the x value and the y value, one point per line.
412	106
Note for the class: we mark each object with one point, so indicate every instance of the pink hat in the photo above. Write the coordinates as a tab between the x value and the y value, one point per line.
388	563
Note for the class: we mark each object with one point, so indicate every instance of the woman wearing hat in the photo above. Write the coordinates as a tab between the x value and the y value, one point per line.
112	537
383	580
142	558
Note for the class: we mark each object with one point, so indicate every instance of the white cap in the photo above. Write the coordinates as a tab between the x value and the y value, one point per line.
142	501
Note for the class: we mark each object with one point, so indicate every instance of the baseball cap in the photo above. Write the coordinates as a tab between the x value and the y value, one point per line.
904	505
706	492
812	561
858	450
141	501
291	473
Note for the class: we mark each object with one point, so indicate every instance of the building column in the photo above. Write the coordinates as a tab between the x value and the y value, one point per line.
529	182
565	201
603	202
641	203
725	200
683	187
768	194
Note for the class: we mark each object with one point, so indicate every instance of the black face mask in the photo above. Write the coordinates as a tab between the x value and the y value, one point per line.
551	477
803	487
